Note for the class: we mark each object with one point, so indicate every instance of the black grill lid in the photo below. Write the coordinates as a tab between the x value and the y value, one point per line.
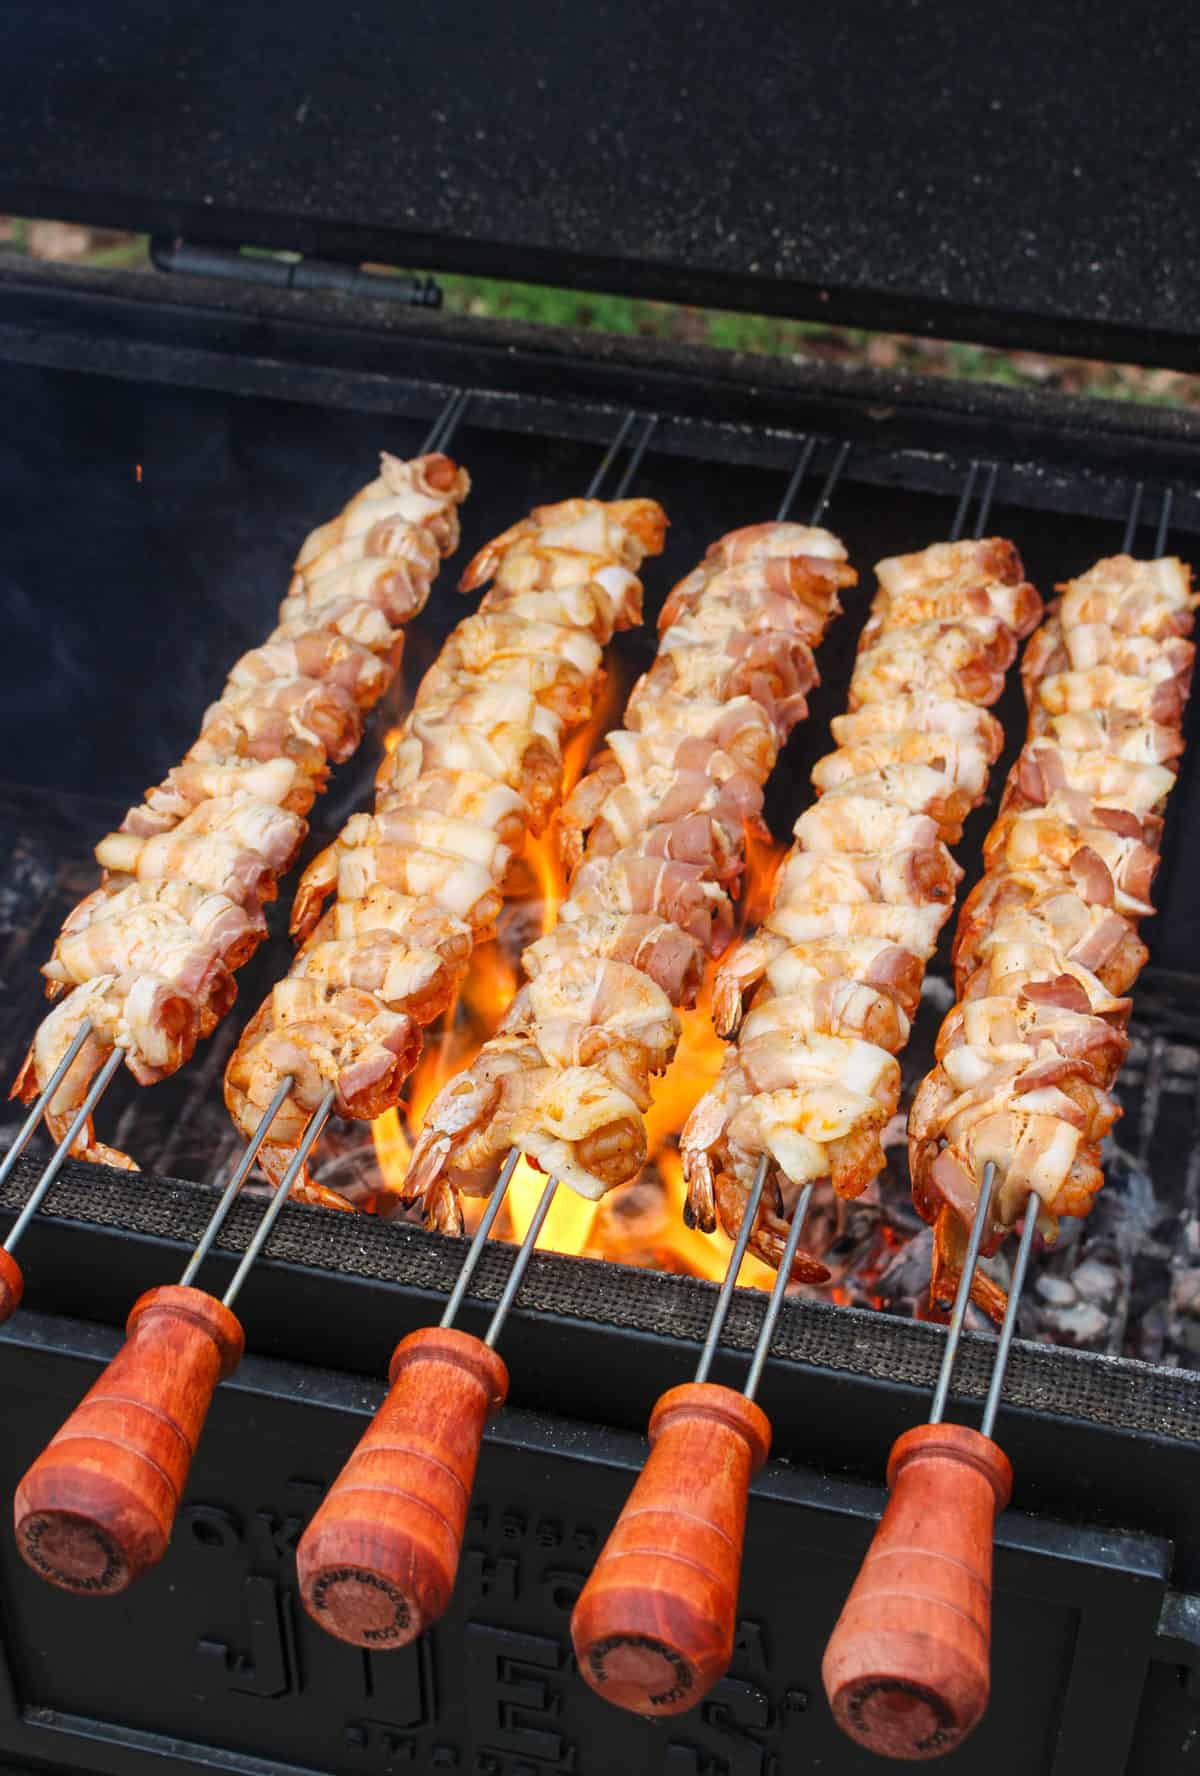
1020	171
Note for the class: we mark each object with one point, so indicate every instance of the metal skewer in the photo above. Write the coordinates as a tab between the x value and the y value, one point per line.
990	471
447	422
907	1668
97	1507
12	1281
378	1562
29	1127
654	1626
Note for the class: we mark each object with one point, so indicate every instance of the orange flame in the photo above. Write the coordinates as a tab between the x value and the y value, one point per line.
642	1222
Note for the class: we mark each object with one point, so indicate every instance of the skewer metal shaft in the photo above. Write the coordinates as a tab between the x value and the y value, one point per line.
654	1626
447	422
520	1265
716	1325
378	1562
783	1277
29	1127
962	1297
61	1153
97	1507
610	455
240	1173
1004	1344
278	1202
648	430
907	1668
1133	519
991	472
479	1240
796	478
831	481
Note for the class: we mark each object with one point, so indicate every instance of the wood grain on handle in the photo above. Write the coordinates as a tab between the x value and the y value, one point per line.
12	1285
654	1625
98	1505
378	1562
907	1669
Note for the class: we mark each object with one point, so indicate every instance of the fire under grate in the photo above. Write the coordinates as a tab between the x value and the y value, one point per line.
1125	1283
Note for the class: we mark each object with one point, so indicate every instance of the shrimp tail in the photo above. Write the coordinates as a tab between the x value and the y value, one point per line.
316	885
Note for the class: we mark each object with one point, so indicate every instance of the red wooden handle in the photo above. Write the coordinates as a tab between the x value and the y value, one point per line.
377	1563
907	1668
654	1625
12	1285
97	1506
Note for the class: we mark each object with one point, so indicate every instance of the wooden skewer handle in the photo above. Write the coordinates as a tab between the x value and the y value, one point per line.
12	1285
98	1505
654	1625
378	1562
907	1669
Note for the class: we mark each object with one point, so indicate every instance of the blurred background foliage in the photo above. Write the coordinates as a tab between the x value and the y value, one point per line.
802	342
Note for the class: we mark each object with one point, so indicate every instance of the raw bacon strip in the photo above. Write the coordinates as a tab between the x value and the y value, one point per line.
186	874
1047	944
478	765
833	975
655	835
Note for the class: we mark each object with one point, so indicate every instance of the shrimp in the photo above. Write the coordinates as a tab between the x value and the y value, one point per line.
402	979
209	860
573	1123
739	725
668	956
558	666
277	780
320	1035
624	530
1148	598
719	1177
320	717
966	657
363	859
155	1023
146	940
587	1013
418	496
1010	908
781	592
460	795
331	658
887	968
235	932
565	578
921	712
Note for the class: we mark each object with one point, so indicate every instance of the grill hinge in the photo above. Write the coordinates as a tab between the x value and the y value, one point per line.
194	259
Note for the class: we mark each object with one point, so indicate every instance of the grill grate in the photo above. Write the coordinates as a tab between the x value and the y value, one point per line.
895	494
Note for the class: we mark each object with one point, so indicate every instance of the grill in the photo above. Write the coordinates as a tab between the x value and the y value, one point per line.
164	445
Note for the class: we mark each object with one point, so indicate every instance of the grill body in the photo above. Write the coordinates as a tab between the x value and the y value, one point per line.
249	415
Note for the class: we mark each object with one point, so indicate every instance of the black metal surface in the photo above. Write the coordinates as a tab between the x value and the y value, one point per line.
1022	173
493	1690
248	426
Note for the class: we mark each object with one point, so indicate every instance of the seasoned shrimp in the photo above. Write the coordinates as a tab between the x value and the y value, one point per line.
147	940
155	1023
572	1122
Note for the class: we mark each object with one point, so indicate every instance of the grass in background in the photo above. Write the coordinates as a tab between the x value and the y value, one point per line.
801	342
